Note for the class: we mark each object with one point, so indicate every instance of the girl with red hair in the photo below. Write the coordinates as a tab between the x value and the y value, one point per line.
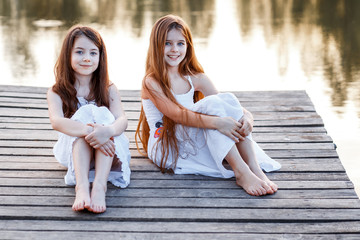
85	107
186	135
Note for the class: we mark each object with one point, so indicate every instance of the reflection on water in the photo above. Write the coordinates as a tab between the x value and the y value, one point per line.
247	45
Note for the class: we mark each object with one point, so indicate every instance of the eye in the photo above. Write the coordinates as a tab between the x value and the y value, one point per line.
181	43
93	53
79	52
167	44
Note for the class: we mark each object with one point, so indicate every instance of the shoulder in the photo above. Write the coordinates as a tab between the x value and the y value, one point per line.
200	80
51	95
112	88
203	84
150	85
113	92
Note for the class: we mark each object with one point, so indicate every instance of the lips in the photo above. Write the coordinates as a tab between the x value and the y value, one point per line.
173	57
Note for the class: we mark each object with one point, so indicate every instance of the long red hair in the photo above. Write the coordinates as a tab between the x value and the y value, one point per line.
156	68
64	73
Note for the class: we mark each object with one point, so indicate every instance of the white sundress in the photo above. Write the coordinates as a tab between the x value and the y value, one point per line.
201	151
88	112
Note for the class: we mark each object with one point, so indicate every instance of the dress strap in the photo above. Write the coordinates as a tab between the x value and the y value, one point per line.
189	79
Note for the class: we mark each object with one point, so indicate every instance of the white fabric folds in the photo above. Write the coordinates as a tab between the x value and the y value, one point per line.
90	113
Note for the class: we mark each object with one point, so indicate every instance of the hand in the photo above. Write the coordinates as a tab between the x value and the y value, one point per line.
247	122
108	148
230	127
99	136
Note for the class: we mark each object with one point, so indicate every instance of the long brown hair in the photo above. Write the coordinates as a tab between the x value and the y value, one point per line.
64	73
156	68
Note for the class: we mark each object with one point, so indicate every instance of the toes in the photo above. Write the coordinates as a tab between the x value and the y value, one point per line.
268	189
78	206
97	209
87	204
272	186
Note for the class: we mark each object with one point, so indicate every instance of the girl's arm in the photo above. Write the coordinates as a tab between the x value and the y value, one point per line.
247	122
102	134
203	84
59	122
225	125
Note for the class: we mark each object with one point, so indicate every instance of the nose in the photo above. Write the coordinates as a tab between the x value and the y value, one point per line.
86	59
174	48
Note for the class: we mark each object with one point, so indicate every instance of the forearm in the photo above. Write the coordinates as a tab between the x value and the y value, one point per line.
198	120
248	116
70	127
118	126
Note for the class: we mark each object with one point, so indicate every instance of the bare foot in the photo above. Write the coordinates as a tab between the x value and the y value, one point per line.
260	174
252	184
82	199
98	193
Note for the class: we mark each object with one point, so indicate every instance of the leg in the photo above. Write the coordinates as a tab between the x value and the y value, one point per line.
102	169
82	155
245	178
246	151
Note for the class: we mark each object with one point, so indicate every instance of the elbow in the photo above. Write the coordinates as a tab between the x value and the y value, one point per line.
54	124
126	123
180	117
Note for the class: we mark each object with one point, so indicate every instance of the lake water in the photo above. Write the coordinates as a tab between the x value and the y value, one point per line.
309	45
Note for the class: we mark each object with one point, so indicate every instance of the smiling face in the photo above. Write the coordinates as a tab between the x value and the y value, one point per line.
175	48
84	57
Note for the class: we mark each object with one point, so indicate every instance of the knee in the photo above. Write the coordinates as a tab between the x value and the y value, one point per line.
81	143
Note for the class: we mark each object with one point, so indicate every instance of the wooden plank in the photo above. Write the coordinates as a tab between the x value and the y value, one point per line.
184	193
143	164
139	174
183	214
66	201
183	184
204	227
164	236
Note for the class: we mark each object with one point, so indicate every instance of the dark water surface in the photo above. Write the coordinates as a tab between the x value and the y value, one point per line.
243	45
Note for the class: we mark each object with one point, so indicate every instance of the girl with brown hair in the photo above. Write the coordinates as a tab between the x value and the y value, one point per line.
85	107
194	138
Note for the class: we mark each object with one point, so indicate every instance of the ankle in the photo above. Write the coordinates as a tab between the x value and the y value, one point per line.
82	186
99	186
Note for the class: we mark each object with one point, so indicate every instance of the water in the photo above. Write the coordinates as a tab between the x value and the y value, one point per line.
243	45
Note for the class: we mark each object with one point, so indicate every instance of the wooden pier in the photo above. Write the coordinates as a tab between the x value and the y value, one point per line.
316	199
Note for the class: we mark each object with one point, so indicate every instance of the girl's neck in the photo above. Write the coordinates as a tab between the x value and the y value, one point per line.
173	73
82	80
82	85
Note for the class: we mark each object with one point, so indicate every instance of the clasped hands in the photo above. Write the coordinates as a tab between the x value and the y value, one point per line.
99	139
236	130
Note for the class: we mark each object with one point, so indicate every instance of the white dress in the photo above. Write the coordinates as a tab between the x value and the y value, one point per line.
201	151
88	112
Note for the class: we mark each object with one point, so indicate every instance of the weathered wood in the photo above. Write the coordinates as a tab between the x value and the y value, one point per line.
64	201
205	227
185	193
140	174
175	236
183	184
182	214
142	164
316	199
